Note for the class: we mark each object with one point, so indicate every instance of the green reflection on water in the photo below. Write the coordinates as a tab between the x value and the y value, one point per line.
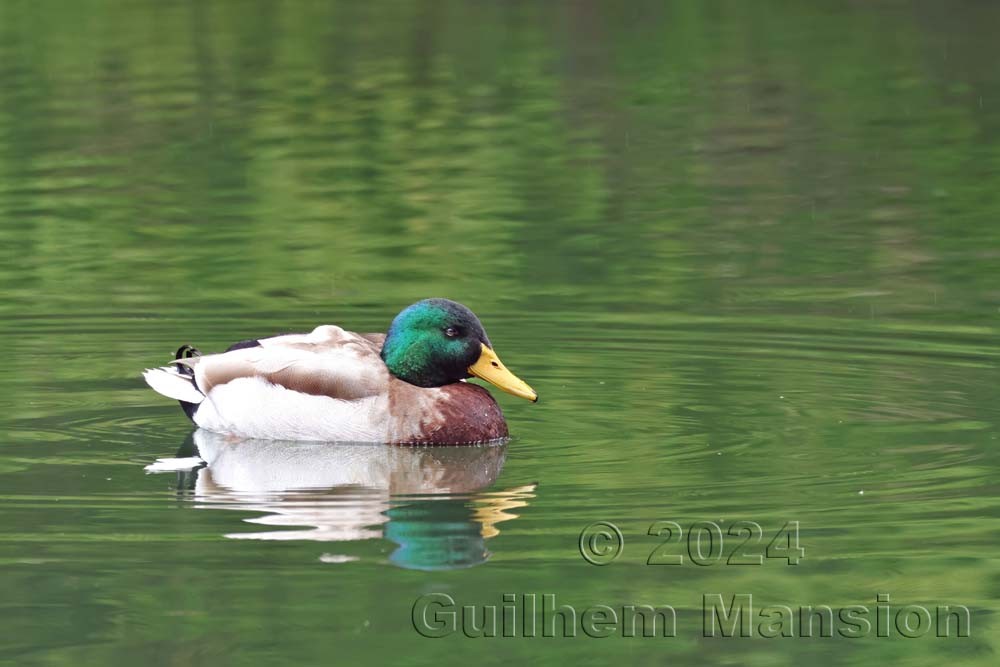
744	251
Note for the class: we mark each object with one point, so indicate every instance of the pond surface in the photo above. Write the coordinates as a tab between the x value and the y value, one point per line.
747	253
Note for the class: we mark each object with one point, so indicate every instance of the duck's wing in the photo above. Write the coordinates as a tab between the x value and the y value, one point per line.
328	361
326	334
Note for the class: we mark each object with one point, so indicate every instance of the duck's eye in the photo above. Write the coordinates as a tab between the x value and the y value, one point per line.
452	332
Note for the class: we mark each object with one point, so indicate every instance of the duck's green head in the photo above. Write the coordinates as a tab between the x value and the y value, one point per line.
436	342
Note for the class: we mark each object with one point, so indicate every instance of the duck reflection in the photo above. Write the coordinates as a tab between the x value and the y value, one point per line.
431	501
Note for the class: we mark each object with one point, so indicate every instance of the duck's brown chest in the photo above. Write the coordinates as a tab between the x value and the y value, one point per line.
456	414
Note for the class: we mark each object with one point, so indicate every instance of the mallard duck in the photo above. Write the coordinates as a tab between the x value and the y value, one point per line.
406	386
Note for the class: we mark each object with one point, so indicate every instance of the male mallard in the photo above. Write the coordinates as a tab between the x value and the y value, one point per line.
403	387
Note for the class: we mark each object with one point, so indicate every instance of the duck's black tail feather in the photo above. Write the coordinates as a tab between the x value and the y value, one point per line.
186	351
177	380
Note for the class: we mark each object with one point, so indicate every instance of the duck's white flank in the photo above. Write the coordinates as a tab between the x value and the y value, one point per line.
252	407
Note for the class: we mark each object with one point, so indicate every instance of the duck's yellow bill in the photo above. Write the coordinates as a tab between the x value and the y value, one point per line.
490	368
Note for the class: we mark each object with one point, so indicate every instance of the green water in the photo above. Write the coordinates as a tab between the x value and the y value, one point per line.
746	253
